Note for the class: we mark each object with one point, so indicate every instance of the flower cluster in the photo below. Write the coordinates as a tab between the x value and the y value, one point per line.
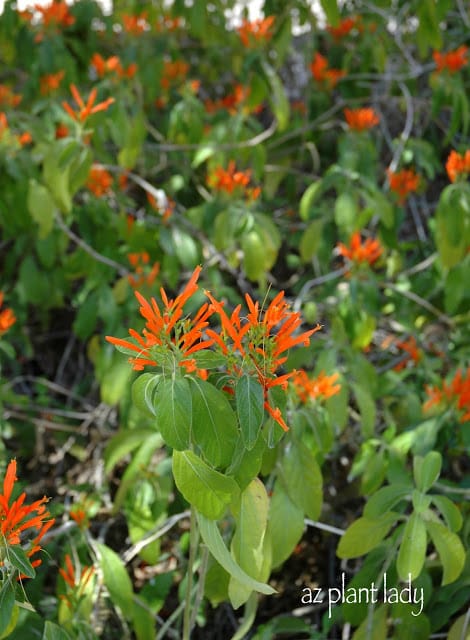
167	331
252	33
414	354
112	65
135	24
232	102
8	98
88	109
7	317
21	139
76	581
255	344
173	70
230	180
361	119
452	61
359	252
321	387
456	393
344	28
99	180
323	74
458	165
51	82
16	518
403	183
140	263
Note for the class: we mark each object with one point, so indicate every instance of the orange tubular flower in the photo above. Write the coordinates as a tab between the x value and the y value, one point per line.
252	33
457	393
55	14
99	180
343	29
76	582
457	165
230	181
7	317
323	74
173	71
135	25
403	183
361	119
139	261
452	61
357	252
51	82
322	387
166	330
411	348
87	109
17	517
8	98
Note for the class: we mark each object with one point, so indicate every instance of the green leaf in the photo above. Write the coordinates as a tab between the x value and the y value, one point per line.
460	629
308	198
311	240
186	249
173	412
429	30
450	512
123	443
18	558
412	551
367	410
330	7
250	408
12	623
214	423
365	534
277	96
116	579
139	460
208	490
385	499
285	526
450	550
253	255
346	212
7	602
211	535
303	479
427	470
251	518
143	621
52	631
208	359
374	628
143	392
41	207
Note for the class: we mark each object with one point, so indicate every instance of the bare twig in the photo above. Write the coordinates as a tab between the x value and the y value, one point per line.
153	535
92	252
324	527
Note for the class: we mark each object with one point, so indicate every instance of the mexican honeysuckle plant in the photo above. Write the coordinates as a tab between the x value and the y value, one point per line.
218	396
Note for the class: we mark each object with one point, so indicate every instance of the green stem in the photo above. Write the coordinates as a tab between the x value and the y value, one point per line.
193	542
200	585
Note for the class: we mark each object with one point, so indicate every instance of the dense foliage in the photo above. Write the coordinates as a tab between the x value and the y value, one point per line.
270	219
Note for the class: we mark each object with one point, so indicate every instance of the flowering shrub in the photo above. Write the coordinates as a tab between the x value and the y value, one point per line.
234	320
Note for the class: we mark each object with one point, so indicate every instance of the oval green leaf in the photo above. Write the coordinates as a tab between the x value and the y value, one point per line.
208	490
412	551
250	409
214	423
